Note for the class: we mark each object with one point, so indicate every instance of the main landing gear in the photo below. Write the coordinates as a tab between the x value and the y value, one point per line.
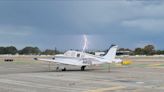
64	69
58	69
83	68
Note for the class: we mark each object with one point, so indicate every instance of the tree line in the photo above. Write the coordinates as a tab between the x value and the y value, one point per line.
27	51
147	50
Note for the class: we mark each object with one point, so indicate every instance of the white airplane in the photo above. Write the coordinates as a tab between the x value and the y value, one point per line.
82	59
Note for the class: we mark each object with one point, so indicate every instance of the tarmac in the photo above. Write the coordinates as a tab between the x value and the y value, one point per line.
26	75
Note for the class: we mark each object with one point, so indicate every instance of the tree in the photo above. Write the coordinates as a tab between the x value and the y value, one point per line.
124	49
138	51
149	50
2	50
49	52
57	51
30	50
160	52
10	50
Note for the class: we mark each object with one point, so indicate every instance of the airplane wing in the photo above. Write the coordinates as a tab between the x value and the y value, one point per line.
76	62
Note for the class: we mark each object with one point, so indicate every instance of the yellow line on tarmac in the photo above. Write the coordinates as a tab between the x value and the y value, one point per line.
154	65
107	89
157	67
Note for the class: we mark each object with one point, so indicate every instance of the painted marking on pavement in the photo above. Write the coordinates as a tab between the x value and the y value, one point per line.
107	89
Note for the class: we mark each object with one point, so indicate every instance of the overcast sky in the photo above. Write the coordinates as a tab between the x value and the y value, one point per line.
61	23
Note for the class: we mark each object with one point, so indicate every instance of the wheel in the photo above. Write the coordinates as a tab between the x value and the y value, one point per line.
83	68
64	69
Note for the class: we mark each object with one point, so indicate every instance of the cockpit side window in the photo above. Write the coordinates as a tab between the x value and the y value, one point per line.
78	55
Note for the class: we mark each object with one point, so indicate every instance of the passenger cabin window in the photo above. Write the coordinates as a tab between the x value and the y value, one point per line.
78	55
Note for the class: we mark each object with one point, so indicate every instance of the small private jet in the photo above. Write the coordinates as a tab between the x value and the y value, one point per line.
82	59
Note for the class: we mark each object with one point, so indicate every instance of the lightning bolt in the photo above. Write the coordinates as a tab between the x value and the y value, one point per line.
85	42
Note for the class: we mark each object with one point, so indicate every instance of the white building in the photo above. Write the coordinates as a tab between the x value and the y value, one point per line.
99	53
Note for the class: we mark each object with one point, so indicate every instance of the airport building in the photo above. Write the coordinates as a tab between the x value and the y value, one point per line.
99	53
127	52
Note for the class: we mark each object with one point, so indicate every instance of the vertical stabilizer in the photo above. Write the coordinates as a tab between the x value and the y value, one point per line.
111	53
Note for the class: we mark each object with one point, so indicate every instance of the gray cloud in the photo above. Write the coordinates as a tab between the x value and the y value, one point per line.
123	22
149	25
11	30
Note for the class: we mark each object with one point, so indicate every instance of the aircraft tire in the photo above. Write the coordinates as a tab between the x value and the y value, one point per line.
64	69
83	68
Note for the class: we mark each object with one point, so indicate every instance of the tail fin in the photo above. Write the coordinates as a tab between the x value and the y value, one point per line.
111	53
